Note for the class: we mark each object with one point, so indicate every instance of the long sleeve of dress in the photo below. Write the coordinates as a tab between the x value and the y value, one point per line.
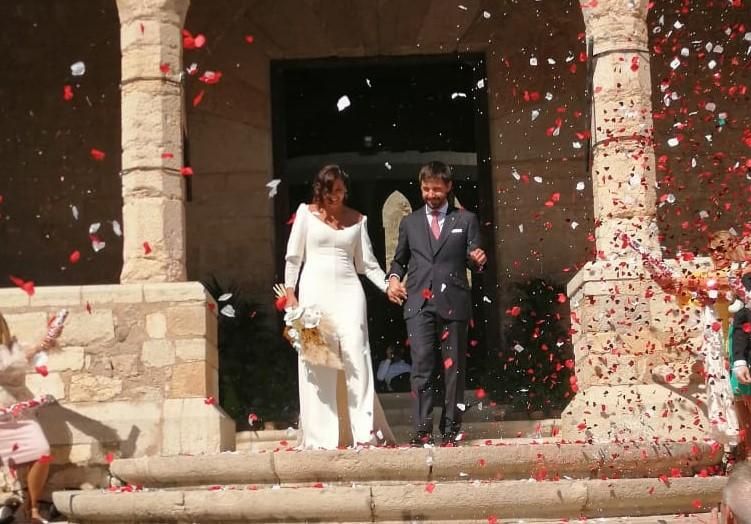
366	262
296	247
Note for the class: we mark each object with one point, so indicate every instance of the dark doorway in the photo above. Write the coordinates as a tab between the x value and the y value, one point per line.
402	113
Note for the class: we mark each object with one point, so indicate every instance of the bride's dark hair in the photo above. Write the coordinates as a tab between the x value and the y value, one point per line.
323	182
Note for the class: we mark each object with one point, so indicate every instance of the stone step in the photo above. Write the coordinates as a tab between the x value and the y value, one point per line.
475	432
465	501
503	461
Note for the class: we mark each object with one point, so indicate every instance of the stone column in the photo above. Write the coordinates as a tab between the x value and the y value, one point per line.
152	110
619	315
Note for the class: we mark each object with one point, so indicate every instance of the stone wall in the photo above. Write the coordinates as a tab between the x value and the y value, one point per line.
135	368
230	218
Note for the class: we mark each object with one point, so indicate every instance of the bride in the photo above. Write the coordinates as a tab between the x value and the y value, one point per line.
330	242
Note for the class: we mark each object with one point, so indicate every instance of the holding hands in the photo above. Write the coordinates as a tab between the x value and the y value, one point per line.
396	291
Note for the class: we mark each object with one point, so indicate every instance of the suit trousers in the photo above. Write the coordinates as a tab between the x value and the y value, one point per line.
437	346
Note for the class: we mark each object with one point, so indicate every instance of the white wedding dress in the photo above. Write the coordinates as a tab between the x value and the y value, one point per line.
330	261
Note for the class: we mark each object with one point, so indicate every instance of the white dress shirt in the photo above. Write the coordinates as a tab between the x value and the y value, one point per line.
441	214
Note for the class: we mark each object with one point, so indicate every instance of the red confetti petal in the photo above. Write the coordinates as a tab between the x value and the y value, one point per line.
42	370
186	171
197	99
27	286
146	248
514	311
164	68
45	459
209	401
427	294
210	77
480	393
74	257
429	487
109	457
280	303
167	155
67	93
249	39
97	154
448	362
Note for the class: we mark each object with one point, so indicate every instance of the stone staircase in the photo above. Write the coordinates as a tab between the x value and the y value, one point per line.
499	481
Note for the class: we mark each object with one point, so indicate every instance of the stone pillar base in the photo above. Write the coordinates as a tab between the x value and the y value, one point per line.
191	427
644	412
636	354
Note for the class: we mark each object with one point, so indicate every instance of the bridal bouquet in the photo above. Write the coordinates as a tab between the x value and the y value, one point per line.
308	332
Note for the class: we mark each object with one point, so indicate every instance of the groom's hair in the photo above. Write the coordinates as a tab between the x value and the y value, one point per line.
435	170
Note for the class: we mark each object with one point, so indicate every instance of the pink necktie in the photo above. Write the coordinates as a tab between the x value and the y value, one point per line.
434	226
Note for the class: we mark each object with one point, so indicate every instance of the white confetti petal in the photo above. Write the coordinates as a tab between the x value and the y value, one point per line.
74	210
116	229
518	348
576	145
462	7
551	61
78	68
521	228
548	96
93	228
367	82
675	63
388	165
98	245
458	95
481	83
580	186
486	299
486	15
537	179
228	311
462	407
672	142
343	103
535	114
273	187
574	225
515	174
533	61
225	297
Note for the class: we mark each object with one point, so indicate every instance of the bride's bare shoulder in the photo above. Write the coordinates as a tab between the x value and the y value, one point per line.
352	216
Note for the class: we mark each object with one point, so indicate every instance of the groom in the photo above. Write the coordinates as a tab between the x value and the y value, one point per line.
436	245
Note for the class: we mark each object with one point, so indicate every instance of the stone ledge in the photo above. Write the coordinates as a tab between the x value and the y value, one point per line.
113	294
502	461
445	501
175	292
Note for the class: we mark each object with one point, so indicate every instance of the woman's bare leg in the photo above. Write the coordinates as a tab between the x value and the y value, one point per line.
35	480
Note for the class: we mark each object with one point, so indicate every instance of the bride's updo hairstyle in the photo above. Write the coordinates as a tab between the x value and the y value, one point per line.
323	182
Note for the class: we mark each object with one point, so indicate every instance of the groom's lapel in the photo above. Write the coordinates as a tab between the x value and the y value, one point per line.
448	225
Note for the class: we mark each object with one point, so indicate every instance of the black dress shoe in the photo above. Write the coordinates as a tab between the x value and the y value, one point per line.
450	439
422	439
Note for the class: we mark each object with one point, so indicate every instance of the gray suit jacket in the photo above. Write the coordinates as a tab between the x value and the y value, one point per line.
437	267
